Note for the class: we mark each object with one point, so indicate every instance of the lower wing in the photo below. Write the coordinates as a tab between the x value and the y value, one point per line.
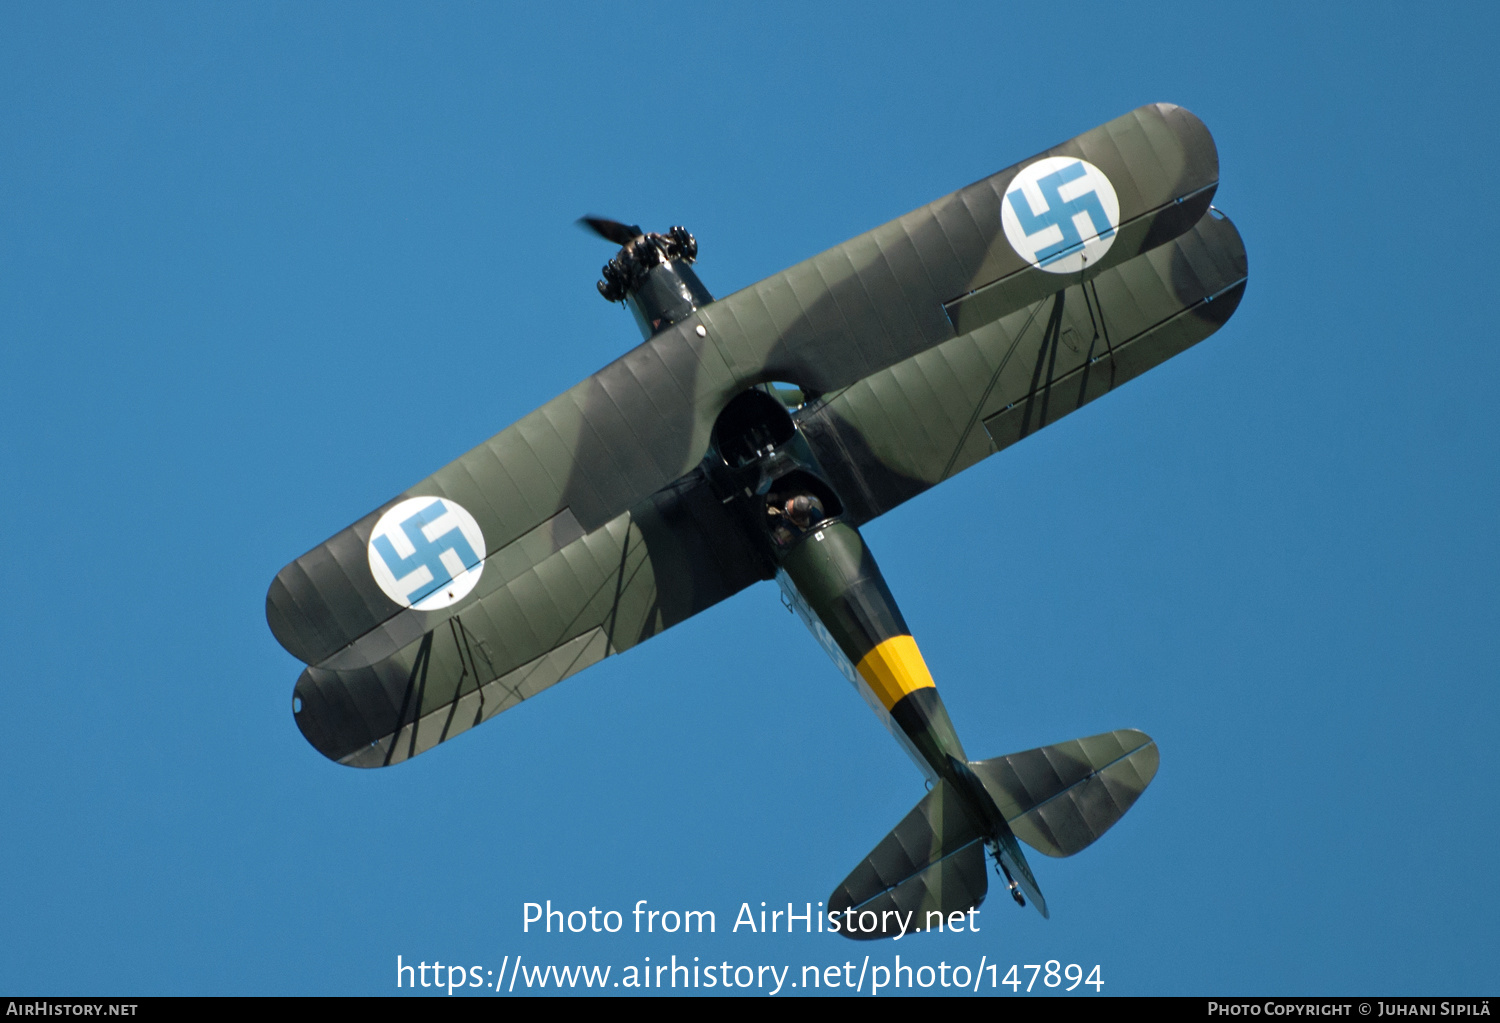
904	429
663	561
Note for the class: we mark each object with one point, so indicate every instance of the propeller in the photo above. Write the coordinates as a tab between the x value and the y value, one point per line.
611	230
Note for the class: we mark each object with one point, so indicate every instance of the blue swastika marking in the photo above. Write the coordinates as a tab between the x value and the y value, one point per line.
427	552
1060	213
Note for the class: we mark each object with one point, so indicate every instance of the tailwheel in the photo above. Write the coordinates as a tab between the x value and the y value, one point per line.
1010	882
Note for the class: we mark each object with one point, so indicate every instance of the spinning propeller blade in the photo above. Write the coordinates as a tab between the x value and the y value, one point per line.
611	230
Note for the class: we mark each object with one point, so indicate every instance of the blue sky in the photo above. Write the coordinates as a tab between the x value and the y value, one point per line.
264	266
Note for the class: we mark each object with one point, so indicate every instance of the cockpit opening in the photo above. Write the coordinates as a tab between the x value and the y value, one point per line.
798	503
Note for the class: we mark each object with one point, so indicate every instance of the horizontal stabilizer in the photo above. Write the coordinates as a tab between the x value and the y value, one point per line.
1059	799
933	862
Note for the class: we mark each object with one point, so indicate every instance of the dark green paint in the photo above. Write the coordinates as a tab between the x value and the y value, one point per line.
921	348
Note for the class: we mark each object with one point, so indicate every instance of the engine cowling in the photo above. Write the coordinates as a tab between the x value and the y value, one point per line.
653	275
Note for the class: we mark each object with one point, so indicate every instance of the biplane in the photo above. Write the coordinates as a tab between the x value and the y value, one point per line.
749	438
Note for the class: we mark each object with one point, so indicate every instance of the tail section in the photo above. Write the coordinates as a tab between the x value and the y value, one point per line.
1060	799
1057	799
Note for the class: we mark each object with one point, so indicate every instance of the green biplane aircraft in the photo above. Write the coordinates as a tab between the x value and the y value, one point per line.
749	438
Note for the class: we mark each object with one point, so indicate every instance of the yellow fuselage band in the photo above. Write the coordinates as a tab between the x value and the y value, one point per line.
895	668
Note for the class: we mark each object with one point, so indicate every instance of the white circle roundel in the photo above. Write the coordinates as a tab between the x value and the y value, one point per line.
427	553
1060	214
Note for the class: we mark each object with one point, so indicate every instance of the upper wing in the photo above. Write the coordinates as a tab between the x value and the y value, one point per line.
600	450
898	432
